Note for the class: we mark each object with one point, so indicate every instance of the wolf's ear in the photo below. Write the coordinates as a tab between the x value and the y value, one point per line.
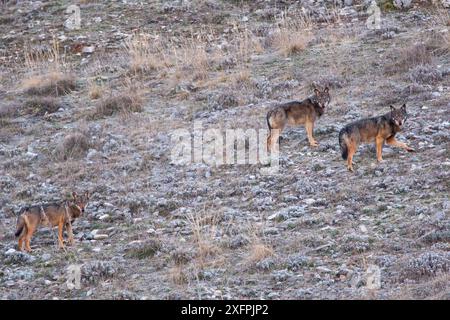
326	90
404	107
392	108
316	91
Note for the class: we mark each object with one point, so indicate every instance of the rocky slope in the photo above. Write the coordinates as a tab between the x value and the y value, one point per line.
157	230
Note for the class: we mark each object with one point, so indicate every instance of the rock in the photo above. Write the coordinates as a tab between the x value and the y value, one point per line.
88	50
100	236
94	271
18	257
323	269
402	4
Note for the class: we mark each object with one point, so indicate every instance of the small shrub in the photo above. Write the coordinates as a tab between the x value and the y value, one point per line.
406	58
259	252
145	250
145	54
293	35
40	106
51	84
95	91
425	74
427	264
177	275
74	145
123	103
8	111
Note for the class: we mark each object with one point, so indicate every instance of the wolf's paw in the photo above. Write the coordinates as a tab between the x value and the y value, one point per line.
314	144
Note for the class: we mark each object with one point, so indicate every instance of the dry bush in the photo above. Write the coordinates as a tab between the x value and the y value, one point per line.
146	53
145	250
246	44
204	228
123	103
54	83
292	36
73	146
426	265
440	17
425	74
95	91
177	275
40	106
411	56
192	60
47	72
8	111
258	252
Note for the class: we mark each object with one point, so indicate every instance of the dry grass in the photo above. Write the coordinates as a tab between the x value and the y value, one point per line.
177	275
146	53
73	146
258	252
408	57
292	35
48	72
204	228
95	91
40	106
124	103
54	83
8	111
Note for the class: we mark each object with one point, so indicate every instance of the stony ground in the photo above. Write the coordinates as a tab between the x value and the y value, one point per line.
311	231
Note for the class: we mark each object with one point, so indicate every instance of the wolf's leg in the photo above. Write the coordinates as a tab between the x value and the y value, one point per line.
379	144
309	127
393	142
351	152
274	138
20	244
30	231
60	234
70	233
269	141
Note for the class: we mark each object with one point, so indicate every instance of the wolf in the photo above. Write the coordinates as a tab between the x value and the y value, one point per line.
304	112
376	129
61	214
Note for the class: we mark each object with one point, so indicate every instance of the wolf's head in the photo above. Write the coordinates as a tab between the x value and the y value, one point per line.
80	202
399	116
322	98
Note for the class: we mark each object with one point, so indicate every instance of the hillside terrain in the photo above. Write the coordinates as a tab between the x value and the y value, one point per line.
93	109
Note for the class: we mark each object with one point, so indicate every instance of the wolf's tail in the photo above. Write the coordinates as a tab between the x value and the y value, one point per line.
343	143
22	222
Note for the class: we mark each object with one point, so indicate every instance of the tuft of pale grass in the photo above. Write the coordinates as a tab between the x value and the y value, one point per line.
123	103
54	84
8	111
291	36
146	54
409	57
177	275
192	60
144	251
95	90
204	228
259	251
73	146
